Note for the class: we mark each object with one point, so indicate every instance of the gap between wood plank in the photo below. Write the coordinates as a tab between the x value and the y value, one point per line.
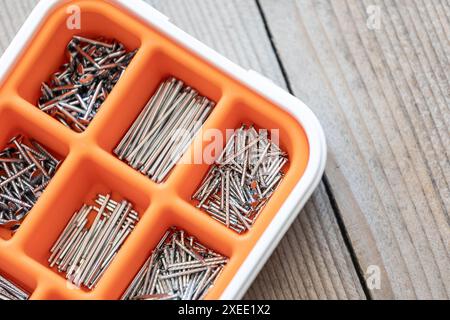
328	188
282	73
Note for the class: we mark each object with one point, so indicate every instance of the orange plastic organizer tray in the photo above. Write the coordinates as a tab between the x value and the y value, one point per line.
90	167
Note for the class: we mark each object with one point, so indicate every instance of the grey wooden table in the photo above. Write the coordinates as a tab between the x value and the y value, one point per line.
377	75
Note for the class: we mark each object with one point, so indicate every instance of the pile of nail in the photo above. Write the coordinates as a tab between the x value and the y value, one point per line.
242	180
164	129
180	268
26	168
75	93
85	250
9	291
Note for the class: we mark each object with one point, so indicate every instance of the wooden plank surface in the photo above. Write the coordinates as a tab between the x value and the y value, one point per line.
312	262
12	16
382	96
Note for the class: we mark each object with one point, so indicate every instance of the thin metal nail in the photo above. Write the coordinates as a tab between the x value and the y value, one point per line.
179	268
245	175
84	252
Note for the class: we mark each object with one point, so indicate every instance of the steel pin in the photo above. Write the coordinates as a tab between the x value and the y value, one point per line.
85	250
164	130
245	176
176	270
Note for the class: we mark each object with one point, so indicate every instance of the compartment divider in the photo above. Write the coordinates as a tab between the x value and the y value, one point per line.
15	267
43	207
83	155
188	171
32	114
191	217
121	168
119	109
90	165
135	251
47	291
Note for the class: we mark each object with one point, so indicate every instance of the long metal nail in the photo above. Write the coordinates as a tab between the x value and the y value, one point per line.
10	291
84	251
164	130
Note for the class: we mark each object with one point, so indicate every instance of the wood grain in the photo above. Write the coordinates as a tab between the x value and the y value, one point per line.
12	16
383	98
312	261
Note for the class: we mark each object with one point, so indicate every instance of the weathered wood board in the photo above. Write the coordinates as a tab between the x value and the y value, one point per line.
382	96
382	93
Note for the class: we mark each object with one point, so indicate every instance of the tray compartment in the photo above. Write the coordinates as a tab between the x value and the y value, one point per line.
91	166
85	178
47	52
238	111
175	215
13	124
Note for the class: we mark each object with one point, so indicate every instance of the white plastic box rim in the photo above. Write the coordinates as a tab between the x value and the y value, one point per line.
253	80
